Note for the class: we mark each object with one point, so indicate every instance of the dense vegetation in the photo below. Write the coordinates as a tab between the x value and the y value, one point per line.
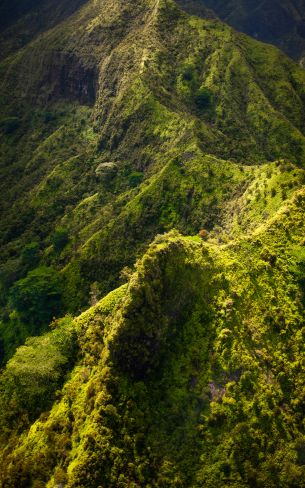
280	22
161	357
105	155
190	376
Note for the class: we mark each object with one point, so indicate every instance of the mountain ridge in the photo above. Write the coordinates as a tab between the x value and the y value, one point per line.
160	93
153	191
119	372
277	22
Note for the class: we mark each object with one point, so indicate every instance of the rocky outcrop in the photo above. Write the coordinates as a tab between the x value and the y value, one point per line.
66	76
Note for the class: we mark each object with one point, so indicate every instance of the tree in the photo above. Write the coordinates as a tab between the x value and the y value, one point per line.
60	239
30	255
135	179
203	98
94	293
37	297
203	234
9	125
37	370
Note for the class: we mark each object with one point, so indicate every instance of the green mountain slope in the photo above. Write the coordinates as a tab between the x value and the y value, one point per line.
172	360
280	22
191	375
115	126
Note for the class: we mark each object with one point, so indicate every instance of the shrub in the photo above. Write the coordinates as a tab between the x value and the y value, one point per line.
37	369
49	117
9	125
203	98
37	297
30	255
60	239
188	73
135	179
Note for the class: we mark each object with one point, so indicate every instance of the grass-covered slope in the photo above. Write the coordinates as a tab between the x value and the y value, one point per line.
191	375
124	121
280	22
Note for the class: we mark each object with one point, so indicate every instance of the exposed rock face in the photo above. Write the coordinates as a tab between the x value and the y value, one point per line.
67	77
276	21
53	76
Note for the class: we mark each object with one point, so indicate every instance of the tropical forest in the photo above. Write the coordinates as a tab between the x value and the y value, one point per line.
152	244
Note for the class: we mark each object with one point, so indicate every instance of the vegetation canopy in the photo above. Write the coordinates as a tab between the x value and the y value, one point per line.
152	209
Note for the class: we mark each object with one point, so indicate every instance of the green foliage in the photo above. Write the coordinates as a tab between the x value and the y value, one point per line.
135	178
49	117
188	73
9	125
278	23
35	372
200	89
59	239
179	373
37	297
9	273
191	374
203	99
140	345
30	255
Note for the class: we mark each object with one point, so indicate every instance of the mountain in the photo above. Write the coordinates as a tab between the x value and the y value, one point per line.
191	375
152	211
275	21
21	21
